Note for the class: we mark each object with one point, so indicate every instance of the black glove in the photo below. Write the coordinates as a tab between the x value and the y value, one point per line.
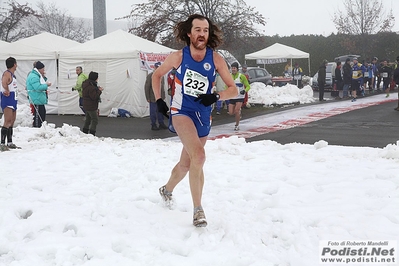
242	92
162	107
207	99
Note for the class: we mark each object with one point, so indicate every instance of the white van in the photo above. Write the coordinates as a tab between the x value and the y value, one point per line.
330	75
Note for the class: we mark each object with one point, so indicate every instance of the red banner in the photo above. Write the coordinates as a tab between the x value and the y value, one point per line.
147	60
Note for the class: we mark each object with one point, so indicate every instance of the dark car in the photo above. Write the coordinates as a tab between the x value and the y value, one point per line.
257	74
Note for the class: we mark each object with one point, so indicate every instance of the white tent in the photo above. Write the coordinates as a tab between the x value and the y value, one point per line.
115	57
43	47
277	51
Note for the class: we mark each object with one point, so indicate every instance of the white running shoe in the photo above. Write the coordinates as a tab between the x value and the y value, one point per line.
236	128
199	219
167	197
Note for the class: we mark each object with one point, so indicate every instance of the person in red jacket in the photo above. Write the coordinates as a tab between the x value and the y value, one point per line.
171	82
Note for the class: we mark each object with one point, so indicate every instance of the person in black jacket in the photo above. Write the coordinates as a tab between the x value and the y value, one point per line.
347	78
396	78
338	77
91	97
321	79
386	74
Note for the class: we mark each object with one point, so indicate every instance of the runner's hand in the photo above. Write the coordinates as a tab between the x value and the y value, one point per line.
207	99
162	107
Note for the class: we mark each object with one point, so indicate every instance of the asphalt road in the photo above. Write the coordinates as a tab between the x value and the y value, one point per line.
375	126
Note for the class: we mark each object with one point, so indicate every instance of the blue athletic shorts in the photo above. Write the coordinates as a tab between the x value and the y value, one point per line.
9	101
202	121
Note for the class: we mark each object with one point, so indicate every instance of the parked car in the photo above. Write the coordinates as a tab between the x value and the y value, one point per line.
330	75
257	74
343	58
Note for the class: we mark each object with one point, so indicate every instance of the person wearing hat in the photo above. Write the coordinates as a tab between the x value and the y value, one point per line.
37	86
149	95
91	97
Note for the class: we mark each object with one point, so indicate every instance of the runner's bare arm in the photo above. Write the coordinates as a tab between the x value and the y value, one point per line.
5	80
221	67
173	60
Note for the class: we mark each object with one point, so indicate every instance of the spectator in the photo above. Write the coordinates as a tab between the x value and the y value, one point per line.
338	78
396	78
171	82
321	79
8	95
297	74
242	87
288	69
374	67
91	97
37	86
386	74
78	87
357	78
347	78
149	95
379	77
368	76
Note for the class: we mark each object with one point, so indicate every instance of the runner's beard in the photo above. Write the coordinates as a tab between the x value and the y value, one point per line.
200	45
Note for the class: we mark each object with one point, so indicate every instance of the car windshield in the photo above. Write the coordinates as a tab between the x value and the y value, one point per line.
260	73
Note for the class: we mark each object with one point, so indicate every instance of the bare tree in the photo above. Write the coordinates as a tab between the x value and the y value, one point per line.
362	17
156	19
58	22
12	19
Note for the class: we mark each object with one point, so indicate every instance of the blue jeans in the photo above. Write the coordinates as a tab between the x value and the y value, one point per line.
155	115
219	105
345	90
81	104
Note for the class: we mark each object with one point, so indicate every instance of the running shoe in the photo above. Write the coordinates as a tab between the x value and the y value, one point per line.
167	197
199	219
4	148
236	128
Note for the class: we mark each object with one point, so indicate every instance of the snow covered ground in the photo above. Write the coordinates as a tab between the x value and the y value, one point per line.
67	198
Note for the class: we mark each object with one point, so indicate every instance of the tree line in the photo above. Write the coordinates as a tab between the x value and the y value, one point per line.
364	28
382	45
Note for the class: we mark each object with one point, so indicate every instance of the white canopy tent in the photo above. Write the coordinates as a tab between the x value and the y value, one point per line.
278	51
43	47
115	57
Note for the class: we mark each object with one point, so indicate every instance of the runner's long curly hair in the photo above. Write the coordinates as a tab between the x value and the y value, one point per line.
184	27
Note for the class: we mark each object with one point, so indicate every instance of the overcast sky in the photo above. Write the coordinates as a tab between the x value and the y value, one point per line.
284	17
